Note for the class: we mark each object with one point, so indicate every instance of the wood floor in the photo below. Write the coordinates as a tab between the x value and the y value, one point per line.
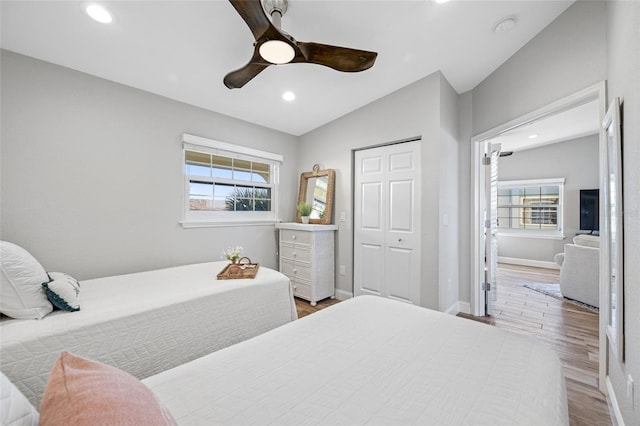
304	308
570	330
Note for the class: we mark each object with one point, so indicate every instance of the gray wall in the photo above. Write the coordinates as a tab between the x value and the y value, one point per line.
426	108
577	162
623	37
590	42
567	56
71	142
448	200
465	118
92	182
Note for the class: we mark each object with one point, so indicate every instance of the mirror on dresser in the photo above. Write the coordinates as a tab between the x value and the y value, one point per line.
316	189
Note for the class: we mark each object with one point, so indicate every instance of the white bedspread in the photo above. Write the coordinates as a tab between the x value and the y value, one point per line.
147	322
371	361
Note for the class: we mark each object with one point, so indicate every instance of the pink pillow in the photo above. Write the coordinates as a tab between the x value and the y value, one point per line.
83	392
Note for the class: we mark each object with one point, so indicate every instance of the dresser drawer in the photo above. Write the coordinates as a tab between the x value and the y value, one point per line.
295	237
306	258
297	253
302	290
296	270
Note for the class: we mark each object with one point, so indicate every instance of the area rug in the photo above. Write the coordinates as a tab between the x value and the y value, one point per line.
553	290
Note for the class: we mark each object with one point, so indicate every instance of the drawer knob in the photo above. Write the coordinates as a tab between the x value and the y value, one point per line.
294	254
293	237
295	270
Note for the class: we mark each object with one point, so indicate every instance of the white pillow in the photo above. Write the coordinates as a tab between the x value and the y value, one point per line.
15	408
587	240
63	291
21	278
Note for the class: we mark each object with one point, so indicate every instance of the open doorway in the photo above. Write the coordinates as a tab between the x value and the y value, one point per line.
541	270
532	170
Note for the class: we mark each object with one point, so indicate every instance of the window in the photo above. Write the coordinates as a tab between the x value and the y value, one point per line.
533	206
220	183
228	184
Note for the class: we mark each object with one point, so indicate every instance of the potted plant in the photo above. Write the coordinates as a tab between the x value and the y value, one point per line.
305	211
232	254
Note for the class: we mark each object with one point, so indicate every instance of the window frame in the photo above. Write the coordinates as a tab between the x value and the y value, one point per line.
536	233
208	218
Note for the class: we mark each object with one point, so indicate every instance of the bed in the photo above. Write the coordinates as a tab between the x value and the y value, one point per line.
371	360
147	322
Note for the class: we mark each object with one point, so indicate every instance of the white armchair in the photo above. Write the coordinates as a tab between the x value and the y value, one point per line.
580	270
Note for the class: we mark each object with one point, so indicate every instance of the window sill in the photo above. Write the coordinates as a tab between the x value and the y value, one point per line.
188	224
529	235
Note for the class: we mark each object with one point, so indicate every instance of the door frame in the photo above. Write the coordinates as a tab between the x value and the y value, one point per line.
594	92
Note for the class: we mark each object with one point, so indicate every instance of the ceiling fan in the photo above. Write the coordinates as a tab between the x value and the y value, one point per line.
274	46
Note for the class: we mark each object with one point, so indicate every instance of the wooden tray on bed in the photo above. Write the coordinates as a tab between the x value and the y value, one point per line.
240	270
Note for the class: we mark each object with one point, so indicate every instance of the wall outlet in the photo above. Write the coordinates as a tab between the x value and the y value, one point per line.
343	270
343	216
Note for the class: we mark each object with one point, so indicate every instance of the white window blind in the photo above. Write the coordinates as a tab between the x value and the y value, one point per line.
227	184
531	206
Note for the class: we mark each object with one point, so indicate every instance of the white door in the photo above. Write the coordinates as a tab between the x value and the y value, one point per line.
491	226
387	222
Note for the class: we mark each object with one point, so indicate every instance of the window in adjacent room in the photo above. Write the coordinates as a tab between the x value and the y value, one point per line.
228	184
531	206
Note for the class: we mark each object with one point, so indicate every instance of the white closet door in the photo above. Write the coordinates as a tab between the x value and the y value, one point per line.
387	222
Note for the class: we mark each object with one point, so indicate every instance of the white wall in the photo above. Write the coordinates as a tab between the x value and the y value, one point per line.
623	38
92	174
576	161
411	111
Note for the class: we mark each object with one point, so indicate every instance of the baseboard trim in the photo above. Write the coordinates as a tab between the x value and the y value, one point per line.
343	295
528	262
458	307
611	397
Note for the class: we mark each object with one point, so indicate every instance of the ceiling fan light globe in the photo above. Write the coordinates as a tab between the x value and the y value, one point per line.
277	52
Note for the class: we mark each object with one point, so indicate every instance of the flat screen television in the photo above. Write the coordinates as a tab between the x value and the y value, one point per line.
590	210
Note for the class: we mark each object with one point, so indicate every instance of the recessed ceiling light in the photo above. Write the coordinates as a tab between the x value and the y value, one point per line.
505	24
441	1
533	136
288	96
98	13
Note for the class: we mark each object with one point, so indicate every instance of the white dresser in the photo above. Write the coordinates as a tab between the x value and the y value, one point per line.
306	257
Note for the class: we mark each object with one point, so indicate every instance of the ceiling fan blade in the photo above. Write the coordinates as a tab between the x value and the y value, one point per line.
338	58
238	78
267	35
253	14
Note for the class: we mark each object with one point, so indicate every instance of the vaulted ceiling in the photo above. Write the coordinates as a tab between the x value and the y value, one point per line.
183	49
